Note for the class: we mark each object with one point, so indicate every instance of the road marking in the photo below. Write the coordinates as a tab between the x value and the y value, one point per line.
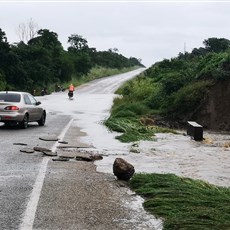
29	215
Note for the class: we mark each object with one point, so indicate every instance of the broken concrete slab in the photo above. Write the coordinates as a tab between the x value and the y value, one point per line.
49	138
27	150
63	142
60	159
68	154
83	158
41	149
19	144
72	146
50	153
96	157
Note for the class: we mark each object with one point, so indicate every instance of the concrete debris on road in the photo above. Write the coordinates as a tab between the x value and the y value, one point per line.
61	159
49	138
83	158
41	149
63	142
72	147
19	144
68	154
27	150
50	153
79	156
96	157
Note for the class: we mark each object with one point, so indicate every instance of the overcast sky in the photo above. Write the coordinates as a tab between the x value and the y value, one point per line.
147	30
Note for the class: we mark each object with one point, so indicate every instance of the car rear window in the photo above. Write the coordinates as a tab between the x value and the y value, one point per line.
10	97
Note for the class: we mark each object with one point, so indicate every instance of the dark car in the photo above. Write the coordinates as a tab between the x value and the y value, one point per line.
20	108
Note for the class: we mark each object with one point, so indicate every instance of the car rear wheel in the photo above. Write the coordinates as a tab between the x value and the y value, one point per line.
42	121
7	123
25	122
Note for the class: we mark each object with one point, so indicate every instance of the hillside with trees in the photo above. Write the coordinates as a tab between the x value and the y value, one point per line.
42	61
192	86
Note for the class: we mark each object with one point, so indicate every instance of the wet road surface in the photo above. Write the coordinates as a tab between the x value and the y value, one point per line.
19	170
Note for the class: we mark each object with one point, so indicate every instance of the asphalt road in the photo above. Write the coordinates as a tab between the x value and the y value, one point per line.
19	170
39	193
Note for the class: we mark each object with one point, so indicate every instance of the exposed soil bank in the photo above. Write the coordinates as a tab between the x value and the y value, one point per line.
214	113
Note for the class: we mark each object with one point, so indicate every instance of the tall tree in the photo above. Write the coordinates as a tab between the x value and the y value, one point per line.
27	31
217	44
4	45
46	39
77	43
80	53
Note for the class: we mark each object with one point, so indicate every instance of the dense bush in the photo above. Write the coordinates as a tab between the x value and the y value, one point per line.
214	66
187	97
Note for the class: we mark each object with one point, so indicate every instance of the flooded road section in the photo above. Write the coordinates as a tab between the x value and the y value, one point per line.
208	160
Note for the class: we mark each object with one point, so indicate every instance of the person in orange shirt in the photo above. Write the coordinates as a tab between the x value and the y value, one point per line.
71	89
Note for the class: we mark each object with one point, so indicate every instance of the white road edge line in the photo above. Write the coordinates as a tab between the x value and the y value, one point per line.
29	214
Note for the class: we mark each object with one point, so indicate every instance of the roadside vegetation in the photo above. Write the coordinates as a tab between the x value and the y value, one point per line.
40	61
169	93
184	203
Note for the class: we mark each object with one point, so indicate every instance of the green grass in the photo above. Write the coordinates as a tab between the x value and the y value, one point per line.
126	118
132	130
184	203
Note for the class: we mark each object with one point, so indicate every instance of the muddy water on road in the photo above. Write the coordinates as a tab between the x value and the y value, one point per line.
208	160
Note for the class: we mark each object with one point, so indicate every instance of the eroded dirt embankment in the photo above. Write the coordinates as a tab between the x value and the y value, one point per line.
214	114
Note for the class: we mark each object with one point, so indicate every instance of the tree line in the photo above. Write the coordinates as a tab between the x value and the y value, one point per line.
42	60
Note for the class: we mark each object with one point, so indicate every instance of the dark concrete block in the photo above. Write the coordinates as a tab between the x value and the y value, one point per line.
195	130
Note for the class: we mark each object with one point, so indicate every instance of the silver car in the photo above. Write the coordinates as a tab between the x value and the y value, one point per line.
20	108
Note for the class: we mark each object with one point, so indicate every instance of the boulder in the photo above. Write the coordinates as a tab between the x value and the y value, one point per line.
122	169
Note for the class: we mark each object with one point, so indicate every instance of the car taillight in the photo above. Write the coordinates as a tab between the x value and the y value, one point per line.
12	108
